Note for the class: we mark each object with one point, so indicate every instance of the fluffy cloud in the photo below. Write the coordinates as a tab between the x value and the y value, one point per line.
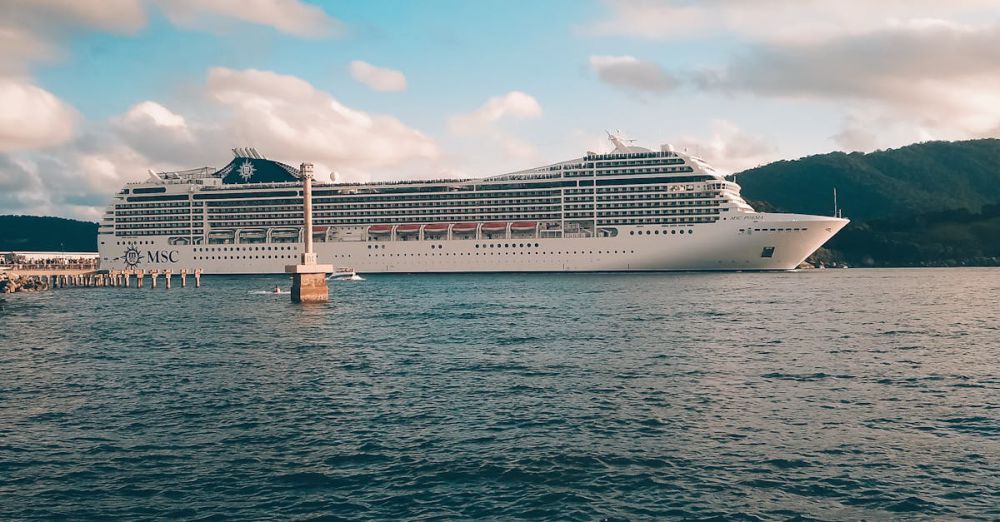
631	74
32	117
485	121
299	121
111	15
938	79
19	187
898	70
71	181
159	134
786	20
289	16
730	148
514	104
19	47
285	116
378	78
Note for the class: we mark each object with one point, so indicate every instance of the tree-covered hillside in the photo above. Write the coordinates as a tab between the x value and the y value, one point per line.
935	203
33	233
919	178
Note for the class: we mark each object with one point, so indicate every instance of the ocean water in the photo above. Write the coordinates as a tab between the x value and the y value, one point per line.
833	394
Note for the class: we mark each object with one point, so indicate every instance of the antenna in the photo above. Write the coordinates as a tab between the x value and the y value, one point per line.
613	137
836	211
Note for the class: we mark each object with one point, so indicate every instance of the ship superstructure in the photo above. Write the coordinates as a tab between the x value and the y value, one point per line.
629	209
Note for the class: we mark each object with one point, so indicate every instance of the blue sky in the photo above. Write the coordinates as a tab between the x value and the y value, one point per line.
96	93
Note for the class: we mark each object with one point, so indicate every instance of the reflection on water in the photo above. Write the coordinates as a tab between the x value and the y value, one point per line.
836	394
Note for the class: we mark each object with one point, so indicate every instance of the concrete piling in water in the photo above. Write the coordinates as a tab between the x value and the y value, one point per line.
184	277
197	278
167	275
139	276
154	275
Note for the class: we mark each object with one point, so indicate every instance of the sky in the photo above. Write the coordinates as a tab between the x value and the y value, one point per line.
95	94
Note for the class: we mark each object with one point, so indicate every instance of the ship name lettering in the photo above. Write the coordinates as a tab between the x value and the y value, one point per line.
162	256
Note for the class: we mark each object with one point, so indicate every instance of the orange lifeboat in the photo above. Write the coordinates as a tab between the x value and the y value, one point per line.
496	226
379	229
407	229
464	228
436	228
523	226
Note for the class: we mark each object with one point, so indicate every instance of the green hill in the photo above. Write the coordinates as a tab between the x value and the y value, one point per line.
934	203
33	233
923	177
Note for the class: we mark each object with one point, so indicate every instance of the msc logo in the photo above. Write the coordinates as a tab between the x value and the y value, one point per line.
133	257
162	256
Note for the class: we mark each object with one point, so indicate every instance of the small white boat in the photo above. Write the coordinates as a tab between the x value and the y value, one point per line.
344	274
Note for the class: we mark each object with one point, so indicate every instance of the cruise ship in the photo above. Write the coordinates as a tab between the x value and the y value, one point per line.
630	209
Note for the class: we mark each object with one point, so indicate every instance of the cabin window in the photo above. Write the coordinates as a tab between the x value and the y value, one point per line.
767	252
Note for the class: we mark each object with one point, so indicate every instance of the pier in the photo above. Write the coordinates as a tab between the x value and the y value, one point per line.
45	278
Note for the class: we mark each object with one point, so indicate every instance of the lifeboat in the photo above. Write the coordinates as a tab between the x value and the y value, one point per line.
284	235
436	228
407	229
216	237
320	233
464	228
379	229
523	226
254	235
496	226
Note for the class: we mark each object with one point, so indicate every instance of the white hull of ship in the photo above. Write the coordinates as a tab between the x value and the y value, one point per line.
716	246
